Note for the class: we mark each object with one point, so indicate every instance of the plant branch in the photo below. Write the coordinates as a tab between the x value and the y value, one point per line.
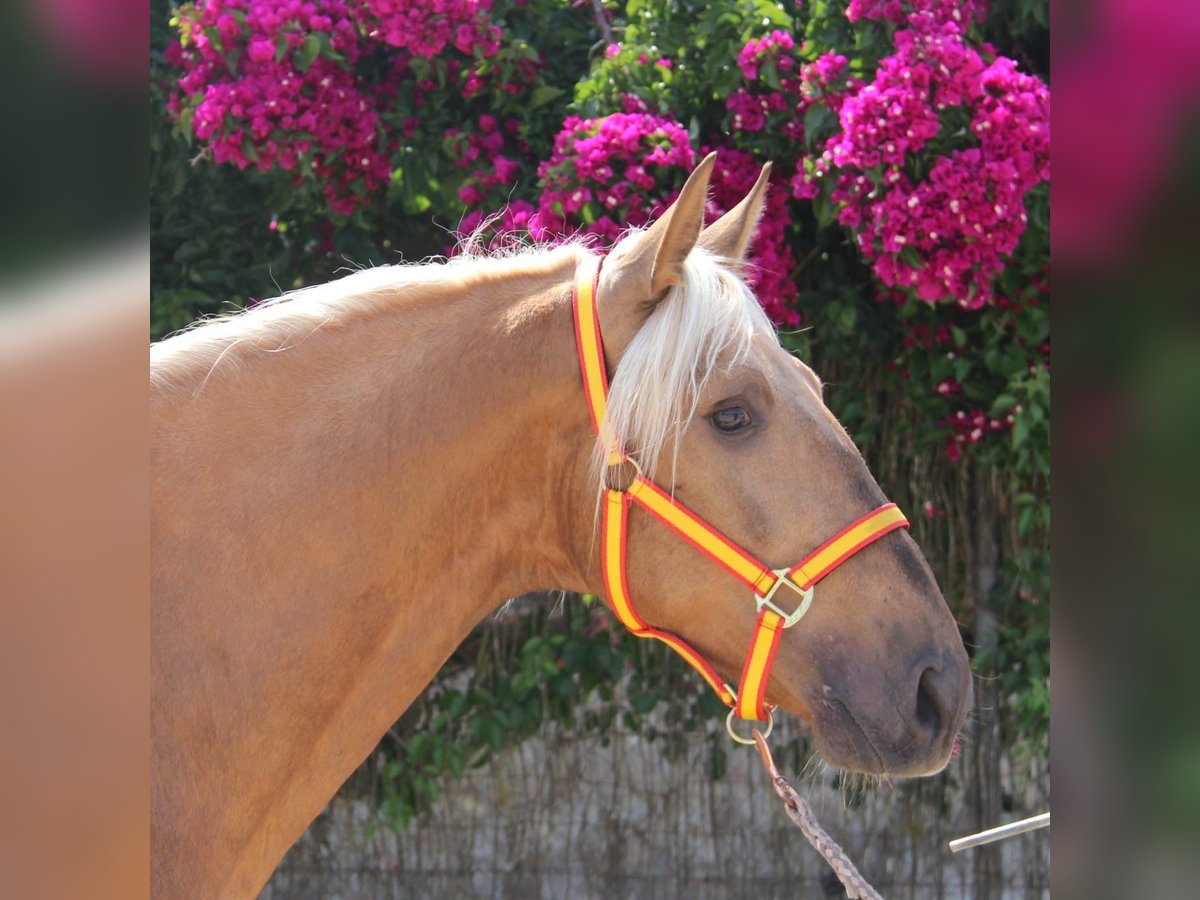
602	21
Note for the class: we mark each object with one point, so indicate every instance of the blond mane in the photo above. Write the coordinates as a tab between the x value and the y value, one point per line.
282	322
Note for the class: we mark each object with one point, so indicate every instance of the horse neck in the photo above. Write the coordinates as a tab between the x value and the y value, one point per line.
331	521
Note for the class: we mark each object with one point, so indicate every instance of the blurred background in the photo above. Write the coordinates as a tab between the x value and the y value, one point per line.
74	293
1126	734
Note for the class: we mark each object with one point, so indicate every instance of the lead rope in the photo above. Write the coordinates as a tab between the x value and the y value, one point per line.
801	814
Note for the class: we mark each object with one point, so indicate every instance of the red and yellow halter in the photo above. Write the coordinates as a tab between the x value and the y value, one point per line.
767	584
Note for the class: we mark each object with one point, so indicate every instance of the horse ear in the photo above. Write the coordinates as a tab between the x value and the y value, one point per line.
730	236
654	264
678	228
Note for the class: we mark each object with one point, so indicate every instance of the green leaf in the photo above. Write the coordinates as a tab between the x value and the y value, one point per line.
824	210
544	94
249	149
1003	405
847	318
326	47
816	117
308	52
214	38
1020	432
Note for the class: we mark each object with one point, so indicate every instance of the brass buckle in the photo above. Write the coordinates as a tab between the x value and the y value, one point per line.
789	619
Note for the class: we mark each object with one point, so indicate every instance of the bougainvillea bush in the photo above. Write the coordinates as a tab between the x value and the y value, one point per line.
904	245
893	124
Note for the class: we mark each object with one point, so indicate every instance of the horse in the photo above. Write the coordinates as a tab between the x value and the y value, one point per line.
347	480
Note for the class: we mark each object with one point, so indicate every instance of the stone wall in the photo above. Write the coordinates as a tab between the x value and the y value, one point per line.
567	817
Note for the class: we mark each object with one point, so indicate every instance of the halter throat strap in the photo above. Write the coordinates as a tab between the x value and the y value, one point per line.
781	596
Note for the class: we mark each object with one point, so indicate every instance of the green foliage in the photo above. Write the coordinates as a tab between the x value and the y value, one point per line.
575	667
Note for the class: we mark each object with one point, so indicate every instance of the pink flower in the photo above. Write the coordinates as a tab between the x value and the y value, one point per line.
505	169
804	187
261	50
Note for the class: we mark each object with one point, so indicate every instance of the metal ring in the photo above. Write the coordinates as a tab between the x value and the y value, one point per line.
625	460
737	737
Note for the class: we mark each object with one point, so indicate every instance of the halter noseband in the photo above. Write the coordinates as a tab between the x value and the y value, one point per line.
767	584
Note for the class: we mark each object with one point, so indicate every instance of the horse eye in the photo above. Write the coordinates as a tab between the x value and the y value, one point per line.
731	419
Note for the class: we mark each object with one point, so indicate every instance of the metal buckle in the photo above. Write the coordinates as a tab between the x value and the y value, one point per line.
789	619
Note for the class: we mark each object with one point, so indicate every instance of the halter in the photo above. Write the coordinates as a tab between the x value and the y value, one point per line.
768	585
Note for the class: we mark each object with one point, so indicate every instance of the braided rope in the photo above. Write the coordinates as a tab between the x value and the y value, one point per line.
801	814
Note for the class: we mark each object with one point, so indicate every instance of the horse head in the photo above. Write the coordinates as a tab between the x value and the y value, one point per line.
708	403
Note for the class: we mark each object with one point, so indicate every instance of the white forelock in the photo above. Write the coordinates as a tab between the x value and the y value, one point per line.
708	319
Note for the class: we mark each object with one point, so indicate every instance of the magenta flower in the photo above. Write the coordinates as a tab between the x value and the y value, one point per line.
260	49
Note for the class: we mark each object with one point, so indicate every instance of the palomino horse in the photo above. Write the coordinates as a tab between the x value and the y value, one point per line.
347	481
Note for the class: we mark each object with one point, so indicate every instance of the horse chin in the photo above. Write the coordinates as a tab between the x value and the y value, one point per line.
845	744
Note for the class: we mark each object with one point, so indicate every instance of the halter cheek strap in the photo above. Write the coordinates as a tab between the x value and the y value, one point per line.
769	586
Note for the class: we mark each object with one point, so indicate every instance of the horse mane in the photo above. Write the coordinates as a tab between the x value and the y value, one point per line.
709	319
282	322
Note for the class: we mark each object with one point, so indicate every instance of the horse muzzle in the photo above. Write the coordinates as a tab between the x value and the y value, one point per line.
906	728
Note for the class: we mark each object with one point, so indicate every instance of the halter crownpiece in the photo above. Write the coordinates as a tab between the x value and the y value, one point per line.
772	588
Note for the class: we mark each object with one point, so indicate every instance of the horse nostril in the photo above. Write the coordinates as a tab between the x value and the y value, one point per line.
929	702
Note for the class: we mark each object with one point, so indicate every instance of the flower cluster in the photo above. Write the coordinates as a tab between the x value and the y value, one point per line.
752	107
424	29
880	10
781	91
273	83
523	73
291	94
946	236
776	45
482	152
822	77
771	262
970	427
608	173
901	11
926	337
891	117
276	83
